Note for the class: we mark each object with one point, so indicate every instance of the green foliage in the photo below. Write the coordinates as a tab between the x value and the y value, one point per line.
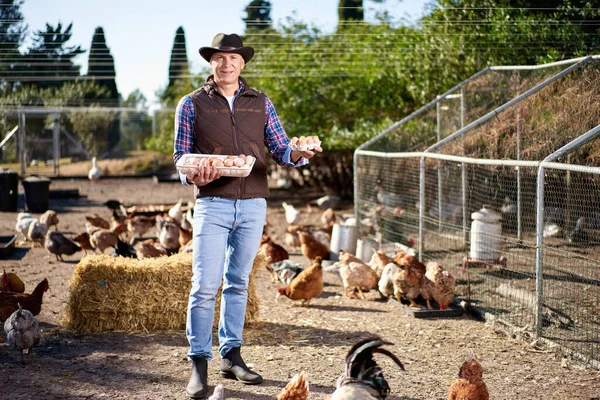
49	60
12	34
101	67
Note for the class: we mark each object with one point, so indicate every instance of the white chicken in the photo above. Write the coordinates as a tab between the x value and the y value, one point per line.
291	214
94	173
386	282
176	211
37	232
23	222
22	331
50	218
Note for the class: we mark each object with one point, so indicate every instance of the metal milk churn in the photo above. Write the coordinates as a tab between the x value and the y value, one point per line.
486	230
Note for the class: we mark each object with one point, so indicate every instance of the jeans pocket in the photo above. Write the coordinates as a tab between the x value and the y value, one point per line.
260	201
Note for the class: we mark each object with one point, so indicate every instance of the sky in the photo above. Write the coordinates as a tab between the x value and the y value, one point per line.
140	33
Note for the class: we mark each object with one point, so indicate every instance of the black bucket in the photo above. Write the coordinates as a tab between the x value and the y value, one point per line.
9	190
37	193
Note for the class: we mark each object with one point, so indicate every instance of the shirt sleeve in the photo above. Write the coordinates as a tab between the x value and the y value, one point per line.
276	139
184	131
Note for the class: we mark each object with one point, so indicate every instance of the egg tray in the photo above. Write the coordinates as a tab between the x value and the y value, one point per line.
237	172
304	147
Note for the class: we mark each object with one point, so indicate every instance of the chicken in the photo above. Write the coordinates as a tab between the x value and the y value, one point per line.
59	245
9	302
291	213
408	279
23	222
274	253
176	212
218	393
94	172
97	221
37	232
386	282
148	249
379	260
357	275
292	238
438	285
100	239
50	218
470	384
311	248
12	283
168	233
296	389
363	378
306	285
139	225
83	239
22	331
328	219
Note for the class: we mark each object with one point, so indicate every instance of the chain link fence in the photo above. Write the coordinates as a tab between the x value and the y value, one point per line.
520	141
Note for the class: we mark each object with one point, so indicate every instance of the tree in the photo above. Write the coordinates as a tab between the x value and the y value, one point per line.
101	67
50	59
178	65
351	10
258	15
12	34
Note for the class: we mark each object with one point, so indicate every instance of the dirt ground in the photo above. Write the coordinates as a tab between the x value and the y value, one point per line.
285	341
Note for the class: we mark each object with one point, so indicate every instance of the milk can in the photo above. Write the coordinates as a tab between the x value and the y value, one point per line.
343	237
486	229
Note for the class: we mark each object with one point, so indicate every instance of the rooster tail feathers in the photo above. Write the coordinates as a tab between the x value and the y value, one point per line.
360	356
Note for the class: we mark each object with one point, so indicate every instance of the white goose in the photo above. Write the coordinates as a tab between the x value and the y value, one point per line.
94	173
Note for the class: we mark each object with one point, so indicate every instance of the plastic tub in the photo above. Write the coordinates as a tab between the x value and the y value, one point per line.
9	190
37	193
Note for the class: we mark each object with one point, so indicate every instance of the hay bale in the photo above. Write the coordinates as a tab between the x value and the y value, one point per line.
123	294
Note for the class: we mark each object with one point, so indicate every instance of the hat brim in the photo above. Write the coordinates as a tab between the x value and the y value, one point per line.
246	52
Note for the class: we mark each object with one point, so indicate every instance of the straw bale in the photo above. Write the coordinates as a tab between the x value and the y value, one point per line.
123	294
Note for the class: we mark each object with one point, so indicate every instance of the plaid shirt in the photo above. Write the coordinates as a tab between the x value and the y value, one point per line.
276	139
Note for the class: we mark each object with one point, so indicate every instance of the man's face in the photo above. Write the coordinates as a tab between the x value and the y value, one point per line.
226	67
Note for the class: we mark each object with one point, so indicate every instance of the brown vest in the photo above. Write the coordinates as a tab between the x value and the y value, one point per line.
219	131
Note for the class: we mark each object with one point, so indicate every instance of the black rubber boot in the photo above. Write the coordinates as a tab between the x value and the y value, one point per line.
197	388
233	367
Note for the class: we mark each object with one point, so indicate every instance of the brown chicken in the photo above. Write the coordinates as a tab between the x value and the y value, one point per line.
356	275
311	248
470	384
97	221
296	389
274	253
12	283
139	225
439	285
83	239
306	285
148	249
408	279
9	301
328	219
378	262
291	235
50	218
100	239
59	245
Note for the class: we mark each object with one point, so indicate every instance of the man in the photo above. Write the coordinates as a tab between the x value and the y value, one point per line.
226	116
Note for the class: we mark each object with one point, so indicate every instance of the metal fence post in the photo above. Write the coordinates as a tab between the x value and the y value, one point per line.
421	206
539	252
22	140
56	143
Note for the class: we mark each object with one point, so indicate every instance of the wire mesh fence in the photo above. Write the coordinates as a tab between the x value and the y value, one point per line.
490	144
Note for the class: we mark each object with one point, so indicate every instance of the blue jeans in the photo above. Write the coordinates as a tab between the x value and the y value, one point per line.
227	235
